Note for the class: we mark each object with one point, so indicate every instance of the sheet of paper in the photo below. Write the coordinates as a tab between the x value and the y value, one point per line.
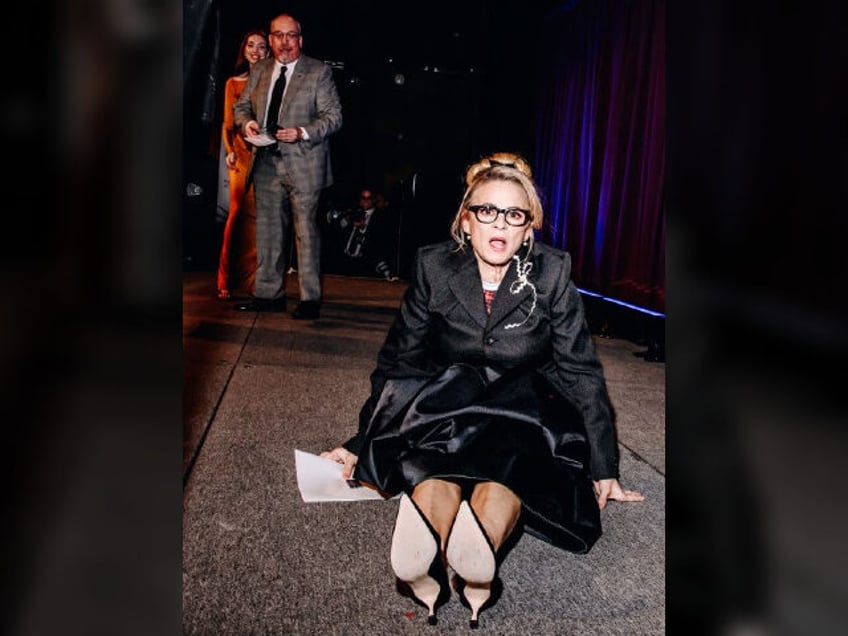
320	479
261	140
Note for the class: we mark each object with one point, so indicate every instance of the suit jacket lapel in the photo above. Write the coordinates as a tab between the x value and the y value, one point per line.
263	88
292	83
463	284
506	302
466	279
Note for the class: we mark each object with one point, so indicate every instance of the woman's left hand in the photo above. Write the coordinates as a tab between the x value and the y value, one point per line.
607	489
343	456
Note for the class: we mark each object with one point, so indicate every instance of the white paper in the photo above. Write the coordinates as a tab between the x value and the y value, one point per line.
320	479
261	139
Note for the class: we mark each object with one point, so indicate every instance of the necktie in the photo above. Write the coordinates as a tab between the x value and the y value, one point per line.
276	102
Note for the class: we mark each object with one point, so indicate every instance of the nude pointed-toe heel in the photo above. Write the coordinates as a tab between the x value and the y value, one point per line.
471	554
416	559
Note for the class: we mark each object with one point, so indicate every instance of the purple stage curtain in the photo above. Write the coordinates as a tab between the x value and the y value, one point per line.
600	145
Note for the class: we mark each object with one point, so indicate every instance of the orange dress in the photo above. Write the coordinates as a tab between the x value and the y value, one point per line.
237	262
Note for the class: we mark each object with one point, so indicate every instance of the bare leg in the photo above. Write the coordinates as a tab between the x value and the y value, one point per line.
438	500
497	508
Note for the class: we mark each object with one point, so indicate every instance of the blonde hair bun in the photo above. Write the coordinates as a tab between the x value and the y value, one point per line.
496	159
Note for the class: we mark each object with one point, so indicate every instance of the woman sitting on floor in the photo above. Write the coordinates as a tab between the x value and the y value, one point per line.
489	407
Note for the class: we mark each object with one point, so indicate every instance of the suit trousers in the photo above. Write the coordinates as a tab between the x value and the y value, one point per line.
280	206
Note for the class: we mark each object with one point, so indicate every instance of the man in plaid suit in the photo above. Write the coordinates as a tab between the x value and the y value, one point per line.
290	172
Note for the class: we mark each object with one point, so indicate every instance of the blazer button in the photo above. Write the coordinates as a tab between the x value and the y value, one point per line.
490	340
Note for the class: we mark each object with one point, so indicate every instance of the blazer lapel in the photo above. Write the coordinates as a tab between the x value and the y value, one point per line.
512	294
465	280
263	88
293	82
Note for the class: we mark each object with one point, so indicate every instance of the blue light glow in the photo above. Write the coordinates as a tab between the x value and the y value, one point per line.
622	303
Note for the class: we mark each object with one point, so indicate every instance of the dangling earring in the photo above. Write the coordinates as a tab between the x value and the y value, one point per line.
526	242
466	238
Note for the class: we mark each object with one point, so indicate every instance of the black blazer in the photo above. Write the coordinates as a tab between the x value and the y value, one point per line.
536	319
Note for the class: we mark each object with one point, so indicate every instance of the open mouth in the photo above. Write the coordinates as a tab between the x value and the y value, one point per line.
497	244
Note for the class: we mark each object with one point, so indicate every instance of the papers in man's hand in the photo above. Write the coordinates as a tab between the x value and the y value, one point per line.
320	479
261	140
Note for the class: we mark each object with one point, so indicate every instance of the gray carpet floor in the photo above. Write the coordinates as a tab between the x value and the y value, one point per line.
258	560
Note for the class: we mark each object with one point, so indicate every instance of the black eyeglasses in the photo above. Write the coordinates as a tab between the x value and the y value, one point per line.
488	213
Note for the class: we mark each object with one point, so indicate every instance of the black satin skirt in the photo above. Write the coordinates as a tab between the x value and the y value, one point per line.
470	425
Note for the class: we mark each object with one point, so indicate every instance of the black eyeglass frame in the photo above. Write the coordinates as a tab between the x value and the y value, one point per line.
476	209
285	35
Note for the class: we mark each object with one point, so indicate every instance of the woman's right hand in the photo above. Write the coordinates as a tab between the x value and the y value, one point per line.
342	456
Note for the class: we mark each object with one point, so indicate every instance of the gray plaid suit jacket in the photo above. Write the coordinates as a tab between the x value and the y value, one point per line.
311	102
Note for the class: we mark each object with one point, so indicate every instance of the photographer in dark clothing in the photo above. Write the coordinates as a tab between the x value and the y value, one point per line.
366	237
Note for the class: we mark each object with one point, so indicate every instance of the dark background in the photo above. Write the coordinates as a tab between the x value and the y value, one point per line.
92	375
467	89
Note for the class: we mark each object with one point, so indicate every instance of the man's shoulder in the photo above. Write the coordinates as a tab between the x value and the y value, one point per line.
304	62
262	65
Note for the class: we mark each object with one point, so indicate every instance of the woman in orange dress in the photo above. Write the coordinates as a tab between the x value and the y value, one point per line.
237	262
